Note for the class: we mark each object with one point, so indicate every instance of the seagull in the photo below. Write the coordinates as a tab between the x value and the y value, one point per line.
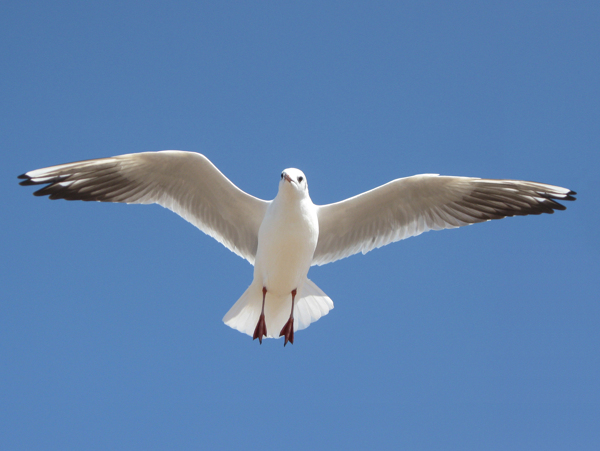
284	237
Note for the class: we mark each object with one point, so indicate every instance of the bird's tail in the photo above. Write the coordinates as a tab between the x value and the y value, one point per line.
310	304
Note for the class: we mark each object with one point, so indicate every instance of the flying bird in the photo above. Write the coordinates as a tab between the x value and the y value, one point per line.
284	237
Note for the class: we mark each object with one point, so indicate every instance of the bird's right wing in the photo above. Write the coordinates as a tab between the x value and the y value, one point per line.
184	182
410	206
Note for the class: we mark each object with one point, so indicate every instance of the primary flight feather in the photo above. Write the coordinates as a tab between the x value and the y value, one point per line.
282	238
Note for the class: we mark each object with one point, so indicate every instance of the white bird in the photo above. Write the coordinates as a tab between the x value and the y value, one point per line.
282	238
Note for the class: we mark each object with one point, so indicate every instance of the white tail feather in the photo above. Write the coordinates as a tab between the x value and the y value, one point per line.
311	304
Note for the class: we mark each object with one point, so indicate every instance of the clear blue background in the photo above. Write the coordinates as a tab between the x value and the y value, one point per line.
485	337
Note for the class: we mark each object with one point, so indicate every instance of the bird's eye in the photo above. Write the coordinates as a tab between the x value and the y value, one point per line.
300	179
282	175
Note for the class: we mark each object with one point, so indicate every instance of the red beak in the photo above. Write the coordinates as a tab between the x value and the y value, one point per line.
287	177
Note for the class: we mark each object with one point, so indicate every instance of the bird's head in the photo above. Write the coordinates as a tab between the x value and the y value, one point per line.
293	181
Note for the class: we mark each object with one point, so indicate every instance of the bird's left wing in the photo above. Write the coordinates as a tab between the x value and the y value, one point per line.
184	182
410	206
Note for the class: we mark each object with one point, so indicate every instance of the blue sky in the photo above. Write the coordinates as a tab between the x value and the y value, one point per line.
484	337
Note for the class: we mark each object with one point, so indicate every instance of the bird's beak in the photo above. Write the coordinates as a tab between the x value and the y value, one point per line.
287	177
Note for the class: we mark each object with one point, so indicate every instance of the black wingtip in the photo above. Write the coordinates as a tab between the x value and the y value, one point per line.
26	180
571	195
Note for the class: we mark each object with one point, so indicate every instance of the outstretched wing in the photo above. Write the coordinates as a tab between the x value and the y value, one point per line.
410	206
184	182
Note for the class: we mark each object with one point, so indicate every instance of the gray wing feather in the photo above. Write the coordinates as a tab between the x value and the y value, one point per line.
410	206
184	182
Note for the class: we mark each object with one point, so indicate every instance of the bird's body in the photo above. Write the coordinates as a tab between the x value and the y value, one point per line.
285	236
287	239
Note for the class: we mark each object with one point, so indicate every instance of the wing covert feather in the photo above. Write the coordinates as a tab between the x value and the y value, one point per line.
410	206
185	182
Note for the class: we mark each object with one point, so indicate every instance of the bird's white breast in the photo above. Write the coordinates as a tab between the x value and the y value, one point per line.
287	240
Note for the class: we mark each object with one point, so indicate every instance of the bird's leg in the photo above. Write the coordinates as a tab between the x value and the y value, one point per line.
261	326
288	329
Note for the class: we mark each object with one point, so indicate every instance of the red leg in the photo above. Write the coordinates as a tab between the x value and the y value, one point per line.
288	329
261	326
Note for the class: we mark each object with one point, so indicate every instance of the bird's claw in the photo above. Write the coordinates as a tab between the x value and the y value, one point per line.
288	332
261	329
